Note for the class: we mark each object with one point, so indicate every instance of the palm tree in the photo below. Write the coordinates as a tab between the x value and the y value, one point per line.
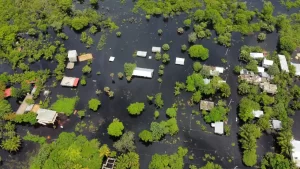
284	142
133	160
11	144
104	150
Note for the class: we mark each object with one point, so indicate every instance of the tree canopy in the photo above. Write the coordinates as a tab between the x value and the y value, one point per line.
198	51
115	128
136	108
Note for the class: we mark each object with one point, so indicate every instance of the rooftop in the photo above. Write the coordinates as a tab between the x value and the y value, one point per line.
141	53
219	127
266	63
69	81
72	55
260	69
257	113
46	116
206	105
85	57
255	55
23	106
283	63
297	66
269	88
70	65
296	152
156	49
143	72
111	59
276	124
179	61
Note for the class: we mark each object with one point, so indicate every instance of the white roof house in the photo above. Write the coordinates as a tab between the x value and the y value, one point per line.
260	69
296	152
257	113
256	55
111	59
143	72
219	69
266	75
72	55
179	61
276	124
46	116
267	63
219	127
297	66
141	53
206	81
156	49
283	63
69	81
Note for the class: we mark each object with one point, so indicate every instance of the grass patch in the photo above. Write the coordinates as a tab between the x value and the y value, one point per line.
65	105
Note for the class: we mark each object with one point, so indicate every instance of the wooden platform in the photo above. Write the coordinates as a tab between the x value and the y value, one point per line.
85	57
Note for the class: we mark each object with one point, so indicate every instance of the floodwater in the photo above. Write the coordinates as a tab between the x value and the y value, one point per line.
142	36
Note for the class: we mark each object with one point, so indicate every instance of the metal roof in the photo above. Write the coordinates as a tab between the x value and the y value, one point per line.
141	53
283	63
69	81
255	55
296	152
257	113
156	49
143	72
297	66
179	61
276	124
72	55
267	63
219	127
260	69
111	59
46	116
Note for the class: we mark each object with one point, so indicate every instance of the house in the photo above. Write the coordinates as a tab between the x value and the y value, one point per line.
269	88
70	65
143	72
141	53
109	164
206	81
283	63
266	75
156	49
215	71
219	127
46	116
257	55
206	105
219	69
85	57
179	61
7	92
29	108
257	113
33	90
295	155
260	69
253	79
276	124
246	72
24	104
267	63
69	81
111	59
72	55
297	66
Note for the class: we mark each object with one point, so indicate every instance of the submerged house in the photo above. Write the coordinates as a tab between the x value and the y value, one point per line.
297	66
219	127
276	124
72	55
109	164
206	105
85	57
179	61
246	72
295	155
253	79
260	69
283	64
111	59
141	53
255	55
257	113
69	81
143	72
46	116
269	88
267	63
215	71
156	49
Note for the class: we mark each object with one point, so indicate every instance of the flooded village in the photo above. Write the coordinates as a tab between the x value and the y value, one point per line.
149	84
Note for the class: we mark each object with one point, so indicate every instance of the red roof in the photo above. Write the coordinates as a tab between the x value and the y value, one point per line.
76	82
7	92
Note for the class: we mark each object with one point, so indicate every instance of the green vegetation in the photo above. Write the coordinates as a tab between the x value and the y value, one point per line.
115	128
86	69
128	69
94	104
81	113
118	34
273	160
169	161
211	165
126	142
165	47
172	112
198	51
129	160
160	31
183	47
165	58
29	117
84	153
34	138
146	136
83	80
180	30
159	102
261	36
102	42
187	22
197	66
64	104
136	108
156	114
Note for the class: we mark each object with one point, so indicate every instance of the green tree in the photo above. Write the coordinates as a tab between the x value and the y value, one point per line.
192	37
197	66
165	58
86	69
65	4
246	107
126	142
198	51
252	66
93	2
165	47
218	113
225	90
261	36
79	22
273	70
159	102
4	108
275	161
136	108
171	112
156	114
196	96
93	28
267	100
160	31
94	104
129	160
157	130
146	136
187	22
249	158
11	144
211	165
115	128
183	47
244	88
